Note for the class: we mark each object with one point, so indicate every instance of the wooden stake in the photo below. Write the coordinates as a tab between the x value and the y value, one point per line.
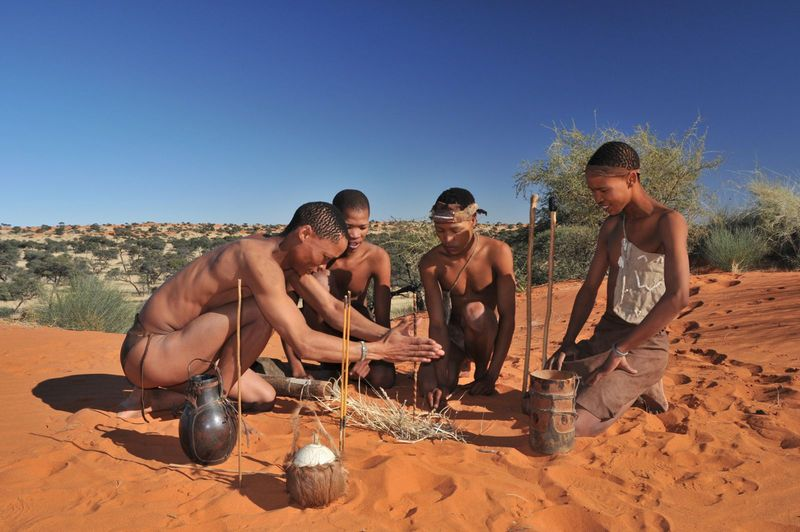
528	313
239	373
345	377
550	259
416	365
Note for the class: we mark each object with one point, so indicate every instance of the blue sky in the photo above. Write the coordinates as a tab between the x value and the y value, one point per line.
240	111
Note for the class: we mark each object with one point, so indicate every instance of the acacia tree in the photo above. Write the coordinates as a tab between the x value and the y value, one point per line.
670	169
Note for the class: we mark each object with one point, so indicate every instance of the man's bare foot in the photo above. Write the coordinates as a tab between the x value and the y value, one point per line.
155	399
257	408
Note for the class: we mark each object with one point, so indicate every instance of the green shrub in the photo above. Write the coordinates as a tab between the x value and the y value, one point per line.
671	167
776	212
574	249
735	249
87	304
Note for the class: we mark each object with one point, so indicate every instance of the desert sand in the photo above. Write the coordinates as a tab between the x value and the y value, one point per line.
725	456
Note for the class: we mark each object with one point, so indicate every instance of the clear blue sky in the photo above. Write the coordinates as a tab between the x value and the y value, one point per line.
240	111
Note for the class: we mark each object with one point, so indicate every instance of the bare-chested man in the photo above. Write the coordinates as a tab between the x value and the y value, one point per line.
469	290
190	321
642	246
361	263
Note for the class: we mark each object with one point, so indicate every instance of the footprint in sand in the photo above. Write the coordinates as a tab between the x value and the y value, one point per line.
690	326
694	290
754	369
734	283
692	308
716	357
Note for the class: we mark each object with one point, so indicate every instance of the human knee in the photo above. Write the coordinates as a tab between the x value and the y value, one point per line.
477	316
382	376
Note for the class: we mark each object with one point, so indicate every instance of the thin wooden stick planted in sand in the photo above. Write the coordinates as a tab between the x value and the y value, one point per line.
416	364
344	379
239	374
552	205
528	313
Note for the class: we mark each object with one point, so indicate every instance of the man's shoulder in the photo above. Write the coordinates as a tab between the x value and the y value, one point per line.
375	252
432	257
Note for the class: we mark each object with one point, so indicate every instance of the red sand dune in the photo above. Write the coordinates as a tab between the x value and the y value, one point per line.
726	455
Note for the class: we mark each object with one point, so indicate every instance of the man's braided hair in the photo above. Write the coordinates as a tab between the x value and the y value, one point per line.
459	196
326	220
351	199
616	154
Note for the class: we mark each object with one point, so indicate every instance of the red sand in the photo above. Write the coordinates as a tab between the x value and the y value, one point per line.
726	455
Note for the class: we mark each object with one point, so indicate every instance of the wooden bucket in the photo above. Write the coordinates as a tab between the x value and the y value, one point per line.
552	410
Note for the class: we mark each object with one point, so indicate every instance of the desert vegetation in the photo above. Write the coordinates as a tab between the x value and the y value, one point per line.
97	276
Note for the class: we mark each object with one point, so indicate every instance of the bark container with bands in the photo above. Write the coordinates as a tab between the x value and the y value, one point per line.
208	426
552	411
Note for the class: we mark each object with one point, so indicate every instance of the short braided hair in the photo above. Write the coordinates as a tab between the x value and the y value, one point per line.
615	153
326	220
351	199
460	196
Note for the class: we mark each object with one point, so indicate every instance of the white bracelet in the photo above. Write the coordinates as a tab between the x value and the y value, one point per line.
617	353
363	350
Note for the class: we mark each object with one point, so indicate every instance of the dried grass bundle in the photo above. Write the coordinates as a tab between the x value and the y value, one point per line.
385	416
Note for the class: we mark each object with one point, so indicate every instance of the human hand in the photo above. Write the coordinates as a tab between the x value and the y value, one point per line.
557	359
394	348
360	369
483	386
406	326
612	363
298	371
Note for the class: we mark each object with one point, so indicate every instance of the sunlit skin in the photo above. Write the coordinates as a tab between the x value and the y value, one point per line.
193	316
482	307
361	263
652	227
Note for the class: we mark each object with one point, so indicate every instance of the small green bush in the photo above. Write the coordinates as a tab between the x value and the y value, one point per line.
776	210
574	249
87	304
736	249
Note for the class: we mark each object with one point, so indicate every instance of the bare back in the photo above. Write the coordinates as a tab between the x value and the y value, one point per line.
208	282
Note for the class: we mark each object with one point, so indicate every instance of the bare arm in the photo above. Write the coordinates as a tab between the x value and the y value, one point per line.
587	294
506	289
437	328
267	283
381	295
673	231
332	310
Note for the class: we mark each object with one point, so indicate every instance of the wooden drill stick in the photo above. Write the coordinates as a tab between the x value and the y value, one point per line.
344	380
416	368
528	313
239	373
553	207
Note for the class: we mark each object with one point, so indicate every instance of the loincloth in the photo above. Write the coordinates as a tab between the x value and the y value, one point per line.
456	335
608	396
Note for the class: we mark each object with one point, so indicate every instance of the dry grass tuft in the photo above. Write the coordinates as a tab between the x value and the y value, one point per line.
386	416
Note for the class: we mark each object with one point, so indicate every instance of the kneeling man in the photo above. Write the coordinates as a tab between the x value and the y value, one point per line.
189	323
469	290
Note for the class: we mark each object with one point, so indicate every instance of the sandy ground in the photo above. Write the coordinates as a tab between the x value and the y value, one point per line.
726	455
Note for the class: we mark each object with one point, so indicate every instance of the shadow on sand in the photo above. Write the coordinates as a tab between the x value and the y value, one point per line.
74	392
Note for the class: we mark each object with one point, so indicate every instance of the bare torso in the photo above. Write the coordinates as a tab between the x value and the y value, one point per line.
476	282
207	282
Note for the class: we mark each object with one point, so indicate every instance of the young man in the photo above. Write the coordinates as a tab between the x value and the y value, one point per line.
189	323
642	245
360	264
469	290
